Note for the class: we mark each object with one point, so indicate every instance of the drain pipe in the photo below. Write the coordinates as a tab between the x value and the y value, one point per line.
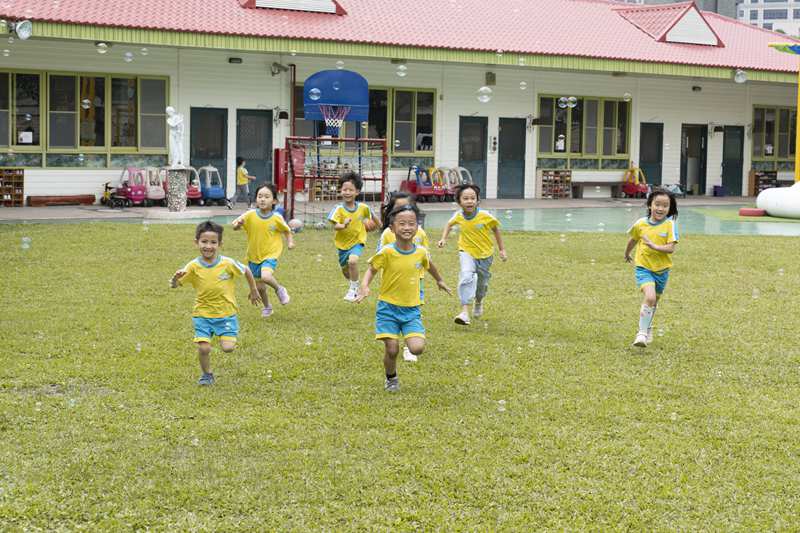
293	105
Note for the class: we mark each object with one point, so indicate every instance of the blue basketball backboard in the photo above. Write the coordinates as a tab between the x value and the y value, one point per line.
336	88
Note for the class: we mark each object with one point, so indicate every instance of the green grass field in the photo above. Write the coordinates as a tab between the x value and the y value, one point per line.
102	426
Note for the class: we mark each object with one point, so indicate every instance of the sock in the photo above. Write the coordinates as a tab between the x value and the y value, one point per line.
391	376
353	284
646	317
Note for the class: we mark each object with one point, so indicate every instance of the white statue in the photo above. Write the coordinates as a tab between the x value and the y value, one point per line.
175	123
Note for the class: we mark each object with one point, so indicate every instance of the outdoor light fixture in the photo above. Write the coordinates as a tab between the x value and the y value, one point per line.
235	60
277	68
279	114
696	88
740	76
23	29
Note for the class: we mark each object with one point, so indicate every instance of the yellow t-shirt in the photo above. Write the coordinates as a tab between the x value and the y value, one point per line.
355	232
475	237
264	235
241	176
215	285
661	233
420	239
400	273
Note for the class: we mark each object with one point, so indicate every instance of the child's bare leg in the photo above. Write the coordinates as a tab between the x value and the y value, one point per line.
391	349
204	354
262	290
416	345
268	277
648	308
227	346
352	267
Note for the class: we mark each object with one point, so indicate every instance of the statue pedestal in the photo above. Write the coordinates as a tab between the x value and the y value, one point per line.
177	182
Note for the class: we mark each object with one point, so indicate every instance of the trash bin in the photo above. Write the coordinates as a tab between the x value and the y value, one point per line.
719	190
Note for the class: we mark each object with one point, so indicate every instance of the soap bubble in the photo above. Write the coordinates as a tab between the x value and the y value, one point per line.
340	64
529	294
144	51
627	97
501	405
484	94
81	158
128	57
466	362
337	86
365	126
601	224
596	188
28	117
195	442
562	102
756	294
509	214
780	272
315	94
11	40
292	53
531	343
402	71
563	239
572	101
593	261
523	85
319	258
6	53
26	243
397	143
673	416
660	332
309	340
499	53
86	103
568	215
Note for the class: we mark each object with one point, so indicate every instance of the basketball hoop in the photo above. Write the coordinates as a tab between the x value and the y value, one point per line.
334	116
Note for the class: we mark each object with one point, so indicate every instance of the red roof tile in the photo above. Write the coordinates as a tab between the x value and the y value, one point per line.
585	28
655	20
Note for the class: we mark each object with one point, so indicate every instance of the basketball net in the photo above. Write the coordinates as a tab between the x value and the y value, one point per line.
334	116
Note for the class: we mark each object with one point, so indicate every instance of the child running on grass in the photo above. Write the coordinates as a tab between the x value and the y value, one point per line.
351	220
265	228
398	311
475	249
399	199
213	277
654	237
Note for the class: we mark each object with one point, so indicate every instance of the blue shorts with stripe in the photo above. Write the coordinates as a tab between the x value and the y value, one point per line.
226	328
393	321
344	255
255	268
645	276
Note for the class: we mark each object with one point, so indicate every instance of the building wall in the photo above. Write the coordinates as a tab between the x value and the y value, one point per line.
763	14
201	78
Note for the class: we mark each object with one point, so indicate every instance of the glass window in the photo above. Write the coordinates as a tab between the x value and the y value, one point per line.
767	26
769	132
93	111
576	128
123	112
4	108
622	127
560	140
546	124
27	124
783	133
303	127
63	114
590	131
609	120
776	14
792	131
403	121
796	13
424	138
378	114
758	132
753	15
153	114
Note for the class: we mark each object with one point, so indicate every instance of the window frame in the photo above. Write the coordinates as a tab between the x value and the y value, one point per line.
774	158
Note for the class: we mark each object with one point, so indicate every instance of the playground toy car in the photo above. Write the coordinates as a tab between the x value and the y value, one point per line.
211	186
132	186
155	187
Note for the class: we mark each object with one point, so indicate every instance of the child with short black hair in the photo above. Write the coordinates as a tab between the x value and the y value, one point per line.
654	238
351	220
265	229
398	310
215	310
475	249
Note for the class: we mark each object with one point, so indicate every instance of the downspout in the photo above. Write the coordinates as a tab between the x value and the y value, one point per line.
293	105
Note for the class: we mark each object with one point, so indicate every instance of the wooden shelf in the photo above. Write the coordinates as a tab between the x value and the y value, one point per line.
556	183
12	187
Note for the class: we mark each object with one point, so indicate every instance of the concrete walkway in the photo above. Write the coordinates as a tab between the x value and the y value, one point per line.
99	212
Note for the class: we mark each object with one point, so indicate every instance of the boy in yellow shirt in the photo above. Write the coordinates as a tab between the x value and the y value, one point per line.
475	249
213	277
243	179
351	220
398	312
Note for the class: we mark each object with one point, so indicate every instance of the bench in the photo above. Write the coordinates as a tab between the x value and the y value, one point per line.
578	186
76	199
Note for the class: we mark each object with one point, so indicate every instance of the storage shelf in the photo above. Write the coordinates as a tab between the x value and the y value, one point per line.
12	187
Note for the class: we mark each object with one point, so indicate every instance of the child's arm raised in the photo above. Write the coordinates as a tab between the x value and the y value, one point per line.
173	282
254	297
500	246
363	291
628	249
665	248
438	277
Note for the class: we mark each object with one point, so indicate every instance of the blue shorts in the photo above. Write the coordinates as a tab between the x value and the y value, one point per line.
344	255
393	321
255	268
226	328
645	276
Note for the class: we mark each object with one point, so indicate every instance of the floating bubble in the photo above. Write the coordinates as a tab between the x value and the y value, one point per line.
26	243
292	53
596	188
523	85
466	362
336	86
484	94
562	239
601	224
601	230
319	258
499	53
397	143
562	102
144	51
11	40
629	209
315	94
519	349
756	294
138	346
593	261
28	117
86	103
128	57
485	326
660	332
529	294
71	403
780	272
673	416
6	53
568	215
340	64
531	343
365	126
509	214
563	235
402	71
309	340
627	97
501	405
101	48
195	442
572	101
81	158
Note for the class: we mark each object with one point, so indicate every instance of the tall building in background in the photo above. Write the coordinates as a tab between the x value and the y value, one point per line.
780	16
723	7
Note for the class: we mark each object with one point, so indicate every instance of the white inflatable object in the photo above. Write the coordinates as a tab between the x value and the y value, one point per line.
781	201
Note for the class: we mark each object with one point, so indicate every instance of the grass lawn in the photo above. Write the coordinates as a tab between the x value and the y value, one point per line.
102	426
731	214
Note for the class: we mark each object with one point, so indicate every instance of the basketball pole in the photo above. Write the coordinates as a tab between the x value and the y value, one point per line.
793	48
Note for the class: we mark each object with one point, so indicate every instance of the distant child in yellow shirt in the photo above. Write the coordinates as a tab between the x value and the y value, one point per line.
398	312
213	277
654	238
265	230
351	220
475	249
243	179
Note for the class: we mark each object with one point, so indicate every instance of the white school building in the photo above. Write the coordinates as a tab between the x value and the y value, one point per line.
693	98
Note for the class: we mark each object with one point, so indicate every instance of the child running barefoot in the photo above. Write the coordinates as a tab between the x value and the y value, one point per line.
213	277
654	237
398	310
475	249
398	199
351	220
264	228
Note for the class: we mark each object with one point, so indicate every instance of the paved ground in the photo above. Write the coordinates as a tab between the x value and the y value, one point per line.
98	212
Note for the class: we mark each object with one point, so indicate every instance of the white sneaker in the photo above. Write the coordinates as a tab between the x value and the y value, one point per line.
649	335
351	295
462	318
408	356
477	310
641	339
